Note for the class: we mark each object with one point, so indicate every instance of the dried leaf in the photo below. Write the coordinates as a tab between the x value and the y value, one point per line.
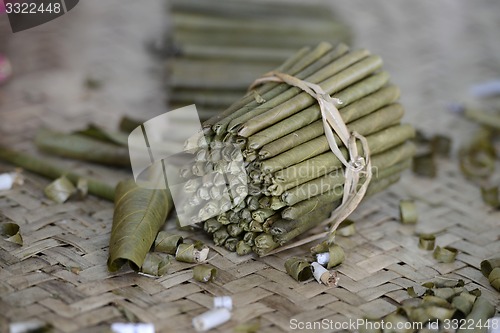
204	273
424	165
11	232
346	228
191	253
167	242
445	254
488	265
482	310
337	256
60	190
490	195
155	264
426	242
298	268
139	214
408	212
494	278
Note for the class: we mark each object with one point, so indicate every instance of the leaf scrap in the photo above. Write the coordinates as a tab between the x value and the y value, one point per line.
191	253
445	254
408	212
155	264
298	268
167	242
11	232
204	273
426	242
60	190
346	228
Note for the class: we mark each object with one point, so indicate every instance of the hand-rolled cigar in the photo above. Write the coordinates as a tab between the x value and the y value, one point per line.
383	165
327	162
303	100
305	132
337	67
278	89
347	96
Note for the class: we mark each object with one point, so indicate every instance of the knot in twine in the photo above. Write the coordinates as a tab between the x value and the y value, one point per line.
334	124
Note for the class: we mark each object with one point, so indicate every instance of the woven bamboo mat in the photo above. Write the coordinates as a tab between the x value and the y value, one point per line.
59	276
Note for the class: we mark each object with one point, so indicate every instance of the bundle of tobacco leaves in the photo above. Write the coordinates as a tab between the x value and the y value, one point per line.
217	47
291	179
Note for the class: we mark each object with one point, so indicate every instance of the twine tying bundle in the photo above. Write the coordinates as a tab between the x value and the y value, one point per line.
334	124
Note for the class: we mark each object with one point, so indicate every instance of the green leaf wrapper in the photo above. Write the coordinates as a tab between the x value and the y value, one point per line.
191	253
204	273
337	256
494	278
298	268
408	212
82	147
445	254
346	228
488	265
51	171
167	242
11	232
60	190
155	264
139	214
426	242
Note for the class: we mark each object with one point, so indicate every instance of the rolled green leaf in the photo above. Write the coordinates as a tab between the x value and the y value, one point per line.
212	225
167	242
445	254
463	302
346	228
298	268
11	233
138	216
337	256
220	236
51	171
488	265
81	147
279	92
191	253
426	242
288	125
96	132
408	212
482	310
242	248
337	67
303	133
333	182
328	162
490	195
332	85
82	188
155	264
204	273
494	278
60	190
398	322
477	160
424	165
441	145
231	244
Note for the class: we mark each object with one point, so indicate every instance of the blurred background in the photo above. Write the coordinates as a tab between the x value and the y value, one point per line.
104	59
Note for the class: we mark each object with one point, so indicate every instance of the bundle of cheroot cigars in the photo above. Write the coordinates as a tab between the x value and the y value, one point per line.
293	179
